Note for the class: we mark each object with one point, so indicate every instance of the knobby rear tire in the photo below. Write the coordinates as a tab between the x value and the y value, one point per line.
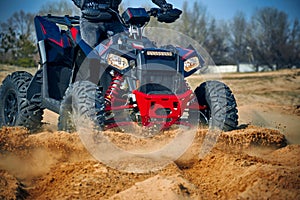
15	109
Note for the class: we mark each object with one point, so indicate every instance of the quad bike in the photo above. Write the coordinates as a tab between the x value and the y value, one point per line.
126	79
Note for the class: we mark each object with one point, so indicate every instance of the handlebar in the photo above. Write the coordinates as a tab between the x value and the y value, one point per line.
154	11
167	16
162	15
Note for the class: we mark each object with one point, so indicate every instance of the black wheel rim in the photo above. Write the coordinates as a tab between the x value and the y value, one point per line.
205	116
10	108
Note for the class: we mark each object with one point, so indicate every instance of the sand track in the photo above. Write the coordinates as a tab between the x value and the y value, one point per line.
245	163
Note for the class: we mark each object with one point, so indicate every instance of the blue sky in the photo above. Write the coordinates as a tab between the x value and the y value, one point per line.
220	9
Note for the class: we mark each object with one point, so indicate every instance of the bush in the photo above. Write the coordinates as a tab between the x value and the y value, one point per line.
25	62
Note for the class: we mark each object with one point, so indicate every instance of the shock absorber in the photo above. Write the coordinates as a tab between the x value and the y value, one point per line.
113	89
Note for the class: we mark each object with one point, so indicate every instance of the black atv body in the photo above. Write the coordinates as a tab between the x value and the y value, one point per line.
126	77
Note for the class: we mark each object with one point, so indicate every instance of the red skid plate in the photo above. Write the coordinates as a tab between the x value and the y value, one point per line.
161	106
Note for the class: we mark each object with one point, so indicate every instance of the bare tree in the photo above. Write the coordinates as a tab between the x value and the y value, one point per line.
217	44
194	22
63	7
238	29
21	23
17	37
293	48
270	33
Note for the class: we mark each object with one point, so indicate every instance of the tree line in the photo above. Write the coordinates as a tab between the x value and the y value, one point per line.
269	39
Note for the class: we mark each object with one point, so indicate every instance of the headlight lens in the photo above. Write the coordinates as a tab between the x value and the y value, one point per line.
117	61
191	64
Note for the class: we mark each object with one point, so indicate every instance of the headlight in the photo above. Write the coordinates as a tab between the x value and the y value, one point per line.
191	64
117	61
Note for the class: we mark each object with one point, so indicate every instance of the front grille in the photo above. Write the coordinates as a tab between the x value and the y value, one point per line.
158	73
161	82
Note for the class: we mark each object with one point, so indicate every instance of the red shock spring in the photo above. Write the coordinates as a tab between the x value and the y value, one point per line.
113	89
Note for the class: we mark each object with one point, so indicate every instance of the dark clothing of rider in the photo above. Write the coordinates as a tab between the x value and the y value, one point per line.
96	21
